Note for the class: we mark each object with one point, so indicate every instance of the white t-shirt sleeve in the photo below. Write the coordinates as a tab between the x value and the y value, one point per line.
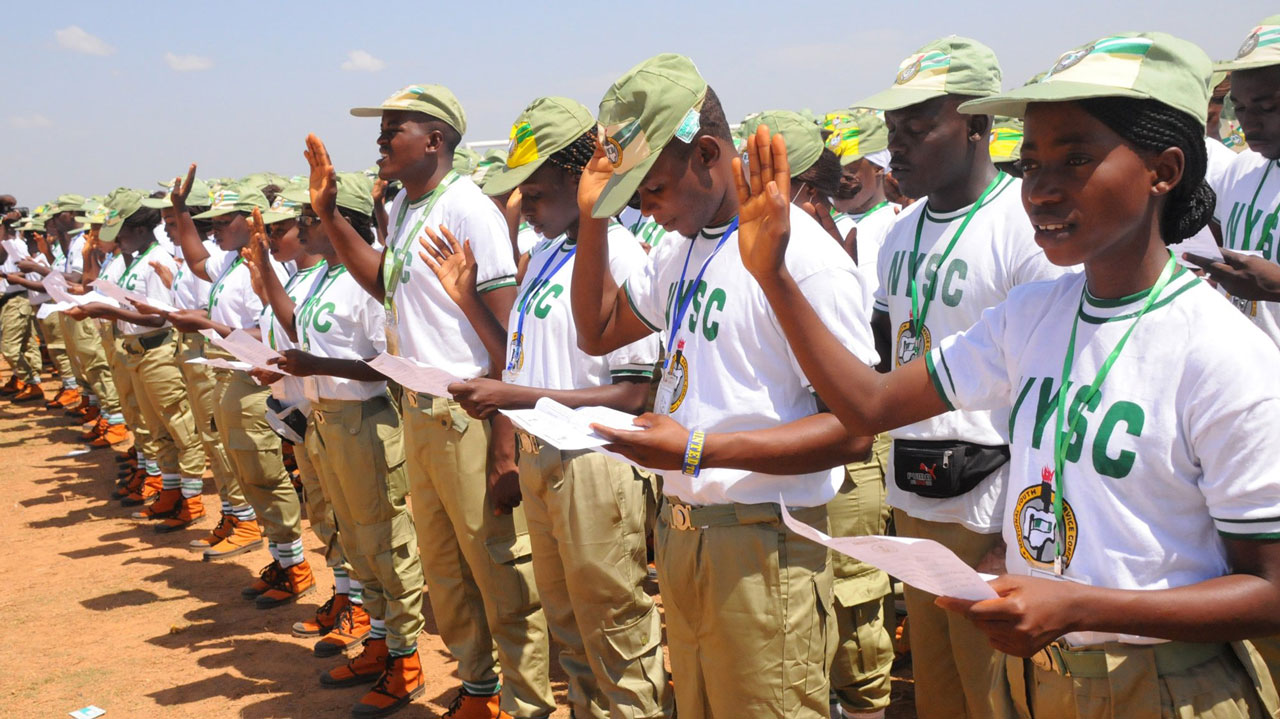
645	289
970	370
838	298
374	321
637	359
487	231
218	262
75	255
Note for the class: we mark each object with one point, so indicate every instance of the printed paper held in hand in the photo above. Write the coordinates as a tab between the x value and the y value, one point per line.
246	349
219	363
922	563
414	375
570	429
56	285
116	292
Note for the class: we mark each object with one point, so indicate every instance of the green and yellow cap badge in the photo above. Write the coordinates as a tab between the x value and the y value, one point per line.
93	211
1260	49
200	196
857	133
120	204
1143	66
803	138
545	127
288	203
235	198
434	100
1006	140
951	66
656	101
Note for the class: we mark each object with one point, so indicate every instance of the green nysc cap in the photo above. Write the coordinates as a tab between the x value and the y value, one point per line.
1006	139
1143	66
465	160
856	133
657	100
93	211
802	135
201	196
1260	49
288	203
434	100
120	204
545	127
66	203
953	65
235	198
355	192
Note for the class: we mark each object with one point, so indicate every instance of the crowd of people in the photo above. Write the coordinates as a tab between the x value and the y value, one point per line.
949	311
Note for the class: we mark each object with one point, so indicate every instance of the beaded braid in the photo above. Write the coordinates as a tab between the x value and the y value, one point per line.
574	158
1153	126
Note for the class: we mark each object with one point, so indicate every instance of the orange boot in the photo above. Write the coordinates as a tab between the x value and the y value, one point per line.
12	386
130	484
90	413
189	510
226	525
150	488
268	577
326	617
81	407
245	535
66	398
352	627
364	668
112	434
297	581
471	706
94	430
399	684
31	392
165	506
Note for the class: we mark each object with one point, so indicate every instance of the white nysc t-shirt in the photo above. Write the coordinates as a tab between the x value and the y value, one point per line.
340	320
139	276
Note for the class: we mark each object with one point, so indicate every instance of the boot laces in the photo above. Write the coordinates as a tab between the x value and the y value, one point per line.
324	609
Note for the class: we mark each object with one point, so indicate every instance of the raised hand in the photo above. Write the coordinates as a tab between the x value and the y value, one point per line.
163	272
379	191
452	261
594	177
182	189
764	221
324	180
255	253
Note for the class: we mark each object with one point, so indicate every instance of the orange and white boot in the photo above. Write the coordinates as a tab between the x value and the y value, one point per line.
400	683
364	668
245	535
149	489
189	510
296	581
473	706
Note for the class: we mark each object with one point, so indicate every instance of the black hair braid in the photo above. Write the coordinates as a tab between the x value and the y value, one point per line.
573	159
1154	126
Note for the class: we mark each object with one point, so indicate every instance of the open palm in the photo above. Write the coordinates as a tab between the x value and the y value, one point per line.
324	180
764	220
452	261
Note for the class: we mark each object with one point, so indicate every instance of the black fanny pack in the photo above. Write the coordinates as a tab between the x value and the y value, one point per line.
941	469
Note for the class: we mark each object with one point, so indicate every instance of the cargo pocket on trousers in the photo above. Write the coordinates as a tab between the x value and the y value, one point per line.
634	639
511	551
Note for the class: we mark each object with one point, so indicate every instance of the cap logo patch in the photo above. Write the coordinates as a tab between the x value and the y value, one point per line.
689	126
523	148
927	69
1250	44
624	144
1111	61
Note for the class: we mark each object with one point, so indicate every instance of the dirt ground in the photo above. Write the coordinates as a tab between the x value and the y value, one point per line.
112	614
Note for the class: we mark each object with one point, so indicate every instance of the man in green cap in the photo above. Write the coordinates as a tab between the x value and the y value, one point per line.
462	471
18	339
943	262
815	173
45	256
736	429
861	141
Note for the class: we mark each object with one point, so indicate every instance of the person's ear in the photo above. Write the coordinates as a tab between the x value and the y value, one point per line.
435	142
707	150
1166	170
979	128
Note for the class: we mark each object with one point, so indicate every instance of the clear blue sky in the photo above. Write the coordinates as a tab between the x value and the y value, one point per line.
123	100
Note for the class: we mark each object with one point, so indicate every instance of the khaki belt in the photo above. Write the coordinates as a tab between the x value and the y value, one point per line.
528	443
687	517
1171	658
138	344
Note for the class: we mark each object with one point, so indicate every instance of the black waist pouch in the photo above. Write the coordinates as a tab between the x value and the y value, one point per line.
941	469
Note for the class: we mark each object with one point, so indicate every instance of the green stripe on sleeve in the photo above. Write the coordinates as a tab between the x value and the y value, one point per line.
496	284
626	291
937	380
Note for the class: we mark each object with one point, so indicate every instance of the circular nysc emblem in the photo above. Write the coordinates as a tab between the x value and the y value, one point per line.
910	71
1071	59
1250	44
613	151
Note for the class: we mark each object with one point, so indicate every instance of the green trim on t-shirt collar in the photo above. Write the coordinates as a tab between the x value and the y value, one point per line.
1165	300
951	216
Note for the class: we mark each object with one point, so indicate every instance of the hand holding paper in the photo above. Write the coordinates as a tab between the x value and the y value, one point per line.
414	375
245	348
922	563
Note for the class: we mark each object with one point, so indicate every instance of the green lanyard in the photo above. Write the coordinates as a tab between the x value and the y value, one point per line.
393	271
213	291
124	278
1245	241
1060	437
919	312
309	304
297	277
859	218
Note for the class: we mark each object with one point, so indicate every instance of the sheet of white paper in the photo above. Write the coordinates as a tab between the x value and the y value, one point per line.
414	375
245	348
219	363
570	429
922	563
49	308
15	248
116	292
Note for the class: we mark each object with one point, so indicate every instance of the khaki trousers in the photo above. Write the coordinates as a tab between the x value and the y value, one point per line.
129	406
952	662
1232	685
240	408
200	382
358	448
319	507
860	674
85	345
749	616
586	515
55	343
18	341
162	398
478	571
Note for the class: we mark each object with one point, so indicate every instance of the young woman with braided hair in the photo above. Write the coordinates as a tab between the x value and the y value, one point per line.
586	512
1141	523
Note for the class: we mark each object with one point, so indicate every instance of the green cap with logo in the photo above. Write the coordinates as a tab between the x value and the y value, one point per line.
235	198
494	160
200	196
288	203
434	100
656	101
545	127
1260	49
953	65
1006	139
465	160
66	203
93	212
355	192
32	224
1143	66
803	138
121	203
856	133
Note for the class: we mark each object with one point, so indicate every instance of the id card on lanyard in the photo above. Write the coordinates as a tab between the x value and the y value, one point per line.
515	351
395	259
675	369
